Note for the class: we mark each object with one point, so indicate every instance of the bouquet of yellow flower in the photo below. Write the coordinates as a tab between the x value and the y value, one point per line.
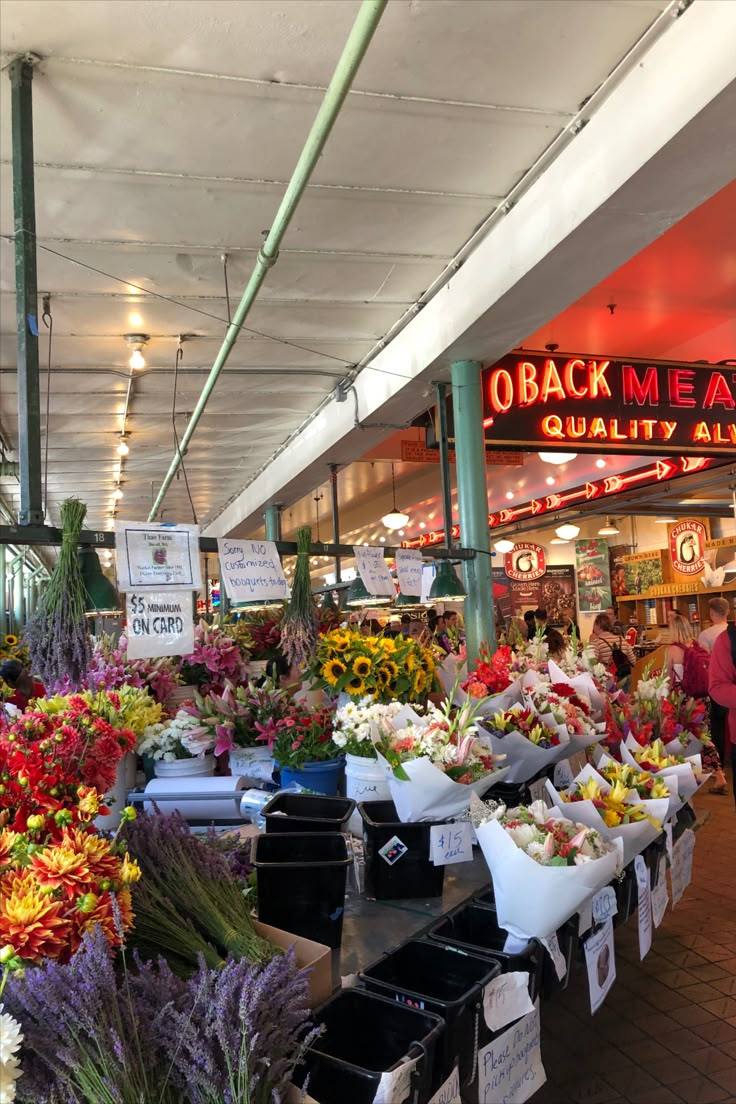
128	707
612	805
641	782
376	667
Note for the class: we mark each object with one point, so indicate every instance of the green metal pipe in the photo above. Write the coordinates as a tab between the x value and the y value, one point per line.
272	517
3	594
472	493
441	392
30	512
358	41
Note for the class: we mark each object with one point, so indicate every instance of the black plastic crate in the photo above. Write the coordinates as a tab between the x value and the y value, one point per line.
474	928
412	874
301	883
365	1036
438	978
291	812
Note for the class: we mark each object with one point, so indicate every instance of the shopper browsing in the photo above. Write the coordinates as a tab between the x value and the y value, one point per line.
611	648
718	609
24	687
722	685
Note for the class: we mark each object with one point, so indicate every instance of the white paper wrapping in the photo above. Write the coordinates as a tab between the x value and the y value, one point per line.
583	684
693	747
682	776
675	800
635	837
218	808
533	901
430	794
524	759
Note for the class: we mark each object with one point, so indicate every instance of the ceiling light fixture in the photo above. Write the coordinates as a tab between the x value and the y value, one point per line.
558	457
550	481
665	521
567	532
117	493
123	447
610	529
137	342
503	546
446	586
558	540
600	462
358	595
509	495
395	518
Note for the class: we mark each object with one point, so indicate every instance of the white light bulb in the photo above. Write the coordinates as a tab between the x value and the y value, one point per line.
422	525
137	360
550	481
123	449
558	457
509	495
600	463
117	493
567	532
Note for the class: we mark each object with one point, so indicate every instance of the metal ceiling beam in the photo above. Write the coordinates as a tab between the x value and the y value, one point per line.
31	511
355	49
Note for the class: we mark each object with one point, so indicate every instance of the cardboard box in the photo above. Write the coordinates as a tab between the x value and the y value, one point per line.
311	956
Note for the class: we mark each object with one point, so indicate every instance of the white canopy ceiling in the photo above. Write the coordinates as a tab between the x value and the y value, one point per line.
164	135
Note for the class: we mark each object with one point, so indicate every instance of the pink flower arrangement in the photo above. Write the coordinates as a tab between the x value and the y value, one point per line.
110	669
216	660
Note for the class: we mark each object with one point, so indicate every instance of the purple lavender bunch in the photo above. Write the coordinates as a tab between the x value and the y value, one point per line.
242	1035
87	1036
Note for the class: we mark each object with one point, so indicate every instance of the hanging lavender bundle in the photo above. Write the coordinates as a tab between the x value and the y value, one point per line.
299	626
56	634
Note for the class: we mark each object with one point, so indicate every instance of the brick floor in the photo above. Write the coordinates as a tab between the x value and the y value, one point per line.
667	1031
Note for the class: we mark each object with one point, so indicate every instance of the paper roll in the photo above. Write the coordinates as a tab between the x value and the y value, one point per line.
218	808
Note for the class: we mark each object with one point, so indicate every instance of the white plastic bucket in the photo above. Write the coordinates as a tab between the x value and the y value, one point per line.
197	766
117	798
364	781
254	763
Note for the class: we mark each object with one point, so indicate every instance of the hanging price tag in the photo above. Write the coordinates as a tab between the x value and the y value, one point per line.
644	908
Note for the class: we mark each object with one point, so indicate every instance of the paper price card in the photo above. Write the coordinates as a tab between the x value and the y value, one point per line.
604	905
251	570
600	958
563	776
506	999
660	896
451	843
682	864
552	947
153	556
409	571
374	571
668	839
510	1067
449	1093
395	1086
644	909
159	624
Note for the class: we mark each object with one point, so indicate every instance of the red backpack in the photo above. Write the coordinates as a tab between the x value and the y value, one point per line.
695	671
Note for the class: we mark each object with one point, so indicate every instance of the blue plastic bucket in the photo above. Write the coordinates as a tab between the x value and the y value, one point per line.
323	778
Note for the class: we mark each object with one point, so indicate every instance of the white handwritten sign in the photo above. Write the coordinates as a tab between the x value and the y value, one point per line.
451	843
251	570
563	776
449	1093
660	896
538	790
395	1086
682	864
644	909
604	905
154	556
409	571
506	999
668	839
159	624
510	1067
552	947
374	571
429	571
600	959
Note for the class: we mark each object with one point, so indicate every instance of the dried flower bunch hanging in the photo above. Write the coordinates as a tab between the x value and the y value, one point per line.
56	634
299	627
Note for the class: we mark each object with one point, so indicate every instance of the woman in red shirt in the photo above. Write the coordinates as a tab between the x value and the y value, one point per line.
20	682
722	685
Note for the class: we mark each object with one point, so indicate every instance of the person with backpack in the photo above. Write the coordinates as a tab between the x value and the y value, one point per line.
612	650
688	664
722	685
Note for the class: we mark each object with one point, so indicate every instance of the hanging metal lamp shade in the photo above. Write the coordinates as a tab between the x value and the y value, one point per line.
405	601
101	594
359	596
395	518
446	585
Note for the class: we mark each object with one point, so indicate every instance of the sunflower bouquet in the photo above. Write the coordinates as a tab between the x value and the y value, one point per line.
378	668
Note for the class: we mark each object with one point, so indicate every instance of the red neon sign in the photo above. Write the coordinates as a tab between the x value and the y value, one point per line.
659	471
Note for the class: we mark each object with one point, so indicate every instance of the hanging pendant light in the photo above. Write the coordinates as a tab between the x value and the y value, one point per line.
567	532
359	596
504	545
446	585
405	601
557	457
610	529
395	519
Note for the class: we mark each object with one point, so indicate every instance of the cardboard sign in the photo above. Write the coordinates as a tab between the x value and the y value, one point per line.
154	556
449	1093
682	864
374	571
600	958
251	570
451	843
506	999
510	1067
159	624
409	571
644	909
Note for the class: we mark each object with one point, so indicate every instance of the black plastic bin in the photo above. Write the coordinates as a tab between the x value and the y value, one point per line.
567	938
510	793
474	928
411	874
292	812
364	1036
301	883
435	977
626	895
652	854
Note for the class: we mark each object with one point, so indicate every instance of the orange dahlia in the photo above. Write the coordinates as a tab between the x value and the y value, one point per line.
60	867
104	915
8	840
100	859
88	804
31	920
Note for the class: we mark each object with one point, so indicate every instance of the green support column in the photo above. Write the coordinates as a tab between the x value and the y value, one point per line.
472	493
3	594
441	392
272	518
20	72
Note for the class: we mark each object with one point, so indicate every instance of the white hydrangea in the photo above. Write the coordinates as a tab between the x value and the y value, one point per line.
524	835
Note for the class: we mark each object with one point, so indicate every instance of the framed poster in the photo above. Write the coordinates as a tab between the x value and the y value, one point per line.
553	591
156	556
594	574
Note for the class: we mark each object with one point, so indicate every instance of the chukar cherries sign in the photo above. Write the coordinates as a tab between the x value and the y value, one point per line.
525	562
687	547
